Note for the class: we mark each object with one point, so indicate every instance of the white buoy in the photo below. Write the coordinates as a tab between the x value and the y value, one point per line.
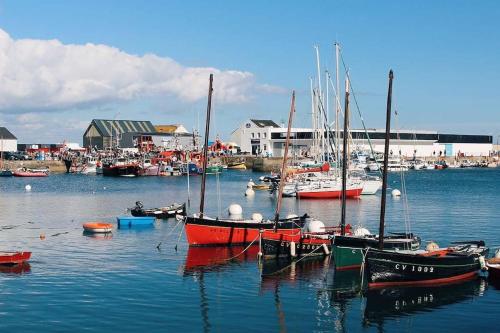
249	192
257	217
396	193
315	226
28	187
432	246
261	178
250	184
291	216
235	209
360	232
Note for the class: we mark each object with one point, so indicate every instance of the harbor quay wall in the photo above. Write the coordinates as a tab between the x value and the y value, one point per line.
53	166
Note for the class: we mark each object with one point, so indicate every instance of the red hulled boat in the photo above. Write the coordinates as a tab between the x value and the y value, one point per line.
329	193
30	173
14	258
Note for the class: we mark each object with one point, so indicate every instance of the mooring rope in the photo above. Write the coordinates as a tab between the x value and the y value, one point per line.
294	262
239	254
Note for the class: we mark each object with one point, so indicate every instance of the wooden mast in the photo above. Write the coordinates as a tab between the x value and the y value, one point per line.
386	160
345	159
205	147
283	163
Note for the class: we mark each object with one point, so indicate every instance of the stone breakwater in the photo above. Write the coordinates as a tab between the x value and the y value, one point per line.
53	166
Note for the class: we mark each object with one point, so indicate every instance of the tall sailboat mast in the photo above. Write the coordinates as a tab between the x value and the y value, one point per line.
386	161
319	116
345	158
205	147
283	163
337	104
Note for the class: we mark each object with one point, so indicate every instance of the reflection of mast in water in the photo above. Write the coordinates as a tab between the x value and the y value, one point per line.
203	303
279	310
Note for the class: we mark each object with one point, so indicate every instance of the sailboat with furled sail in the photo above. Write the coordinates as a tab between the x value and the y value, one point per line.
202	230
434	266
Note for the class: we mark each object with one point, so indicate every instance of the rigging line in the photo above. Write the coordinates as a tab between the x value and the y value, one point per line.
359	110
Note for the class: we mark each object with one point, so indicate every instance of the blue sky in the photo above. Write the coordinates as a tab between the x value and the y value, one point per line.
444	55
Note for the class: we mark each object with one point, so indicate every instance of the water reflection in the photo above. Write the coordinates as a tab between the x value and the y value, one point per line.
106	235
15	269
206	259
383	304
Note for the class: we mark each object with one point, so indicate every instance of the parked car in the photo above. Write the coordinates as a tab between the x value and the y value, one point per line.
16	155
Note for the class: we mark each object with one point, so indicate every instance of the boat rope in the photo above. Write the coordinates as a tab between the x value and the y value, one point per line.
239	254
170	232
180	235
294	262
362	271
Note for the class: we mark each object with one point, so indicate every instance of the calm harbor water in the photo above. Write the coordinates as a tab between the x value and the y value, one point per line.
123	282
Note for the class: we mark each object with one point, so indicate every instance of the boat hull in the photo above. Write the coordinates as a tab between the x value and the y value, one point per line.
160	213
334	194
120	171
348	250
29	174
96	227
279	245
210	232
130	221
14	258
237	166
386	268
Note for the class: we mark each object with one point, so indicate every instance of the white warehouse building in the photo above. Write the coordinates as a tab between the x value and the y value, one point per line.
266	138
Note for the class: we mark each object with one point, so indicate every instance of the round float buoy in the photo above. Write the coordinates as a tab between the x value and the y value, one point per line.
97	227
360	232
235	209
28	187
249	192
250	184
315	226
432	246
396	193
257	217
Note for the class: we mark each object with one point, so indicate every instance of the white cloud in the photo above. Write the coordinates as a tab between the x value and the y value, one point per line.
47	74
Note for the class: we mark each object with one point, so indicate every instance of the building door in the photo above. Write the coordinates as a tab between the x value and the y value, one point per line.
449	149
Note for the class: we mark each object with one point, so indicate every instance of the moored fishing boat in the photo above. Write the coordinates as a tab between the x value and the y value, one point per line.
203	230
433	266
121	167
330	191
14	258
441	266
160	212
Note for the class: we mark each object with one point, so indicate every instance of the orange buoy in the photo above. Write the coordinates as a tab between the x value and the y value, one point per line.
97	227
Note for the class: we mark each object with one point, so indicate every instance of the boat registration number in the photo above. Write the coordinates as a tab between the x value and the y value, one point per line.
413	268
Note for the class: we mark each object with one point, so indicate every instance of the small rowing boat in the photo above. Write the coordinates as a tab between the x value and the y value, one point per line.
23	172
14	258
97	227
161	212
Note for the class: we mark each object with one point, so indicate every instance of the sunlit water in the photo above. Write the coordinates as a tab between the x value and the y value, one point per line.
125	283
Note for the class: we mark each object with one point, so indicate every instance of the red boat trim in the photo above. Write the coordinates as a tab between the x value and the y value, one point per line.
348	268
423	282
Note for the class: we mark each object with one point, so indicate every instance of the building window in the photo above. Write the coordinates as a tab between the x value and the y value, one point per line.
265	147
253	135
258	135
264	134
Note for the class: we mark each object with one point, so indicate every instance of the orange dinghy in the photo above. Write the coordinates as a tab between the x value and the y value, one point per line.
98	227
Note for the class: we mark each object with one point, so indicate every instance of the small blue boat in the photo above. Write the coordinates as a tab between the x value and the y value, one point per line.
130	221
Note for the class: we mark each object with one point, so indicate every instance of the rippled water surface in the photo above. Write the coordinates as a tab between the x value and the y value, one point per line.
125	283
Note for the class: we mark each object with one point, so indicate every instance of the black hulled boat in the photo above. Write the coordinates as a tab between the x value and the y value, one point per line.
160	212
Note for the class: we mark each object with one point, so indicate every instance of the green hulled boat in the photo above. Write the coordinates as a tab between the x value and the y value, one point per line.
212	169
348	250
